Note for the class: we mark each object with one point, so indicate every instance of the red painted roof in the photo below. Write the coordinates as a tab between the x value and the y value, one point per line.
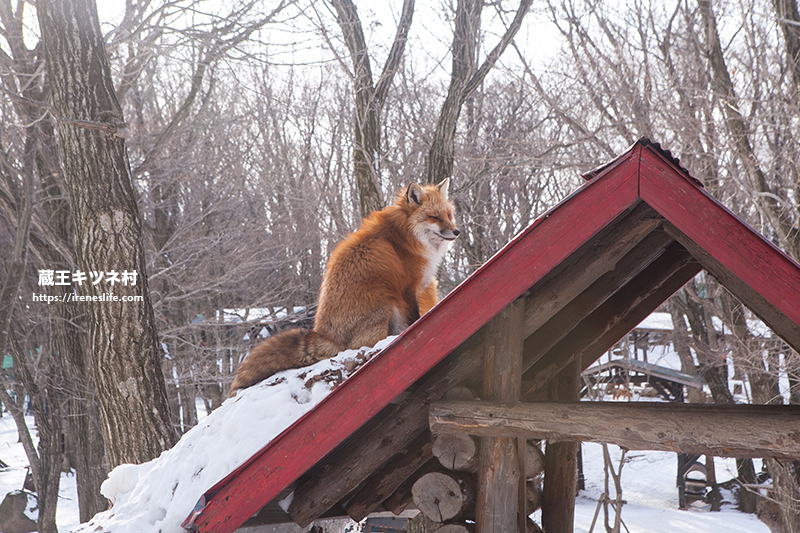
750	266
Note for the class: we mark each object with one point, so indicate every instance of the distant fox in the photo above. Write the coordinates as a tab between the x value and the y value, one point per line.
377	282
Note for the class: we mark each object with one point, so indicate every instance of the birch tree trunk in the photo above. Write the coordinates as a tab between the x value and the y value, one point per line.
107	230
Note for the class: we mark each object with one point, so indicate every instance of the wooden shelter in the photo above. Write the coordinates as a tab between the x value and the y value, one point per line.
518	333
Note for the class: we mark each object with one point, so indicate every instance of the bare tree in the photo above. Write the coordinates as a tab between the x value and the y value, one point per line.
61	351
127	369
370	97
465	79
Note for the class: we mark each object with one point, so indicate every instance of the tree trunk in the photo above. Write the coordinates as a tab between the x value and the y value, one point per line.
369	98
46	476
122	336
738	127
789	22
464	80
465	45
680	336
712	367
86	453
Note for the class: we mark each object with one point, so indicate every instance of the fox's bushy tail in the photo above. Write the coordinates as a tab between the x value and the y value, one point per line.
294	348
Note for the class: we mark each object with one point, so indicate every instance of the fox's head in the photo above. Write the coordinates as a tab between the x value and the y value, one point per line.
431	213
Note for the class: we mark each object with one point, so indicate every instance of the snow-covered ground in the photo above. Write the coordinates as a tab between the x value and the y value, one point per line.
12	478
158	495
648	485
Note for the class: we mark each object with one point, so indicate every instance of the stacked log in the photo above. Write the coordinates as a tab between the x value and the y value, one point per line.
444	496
456	451
447	495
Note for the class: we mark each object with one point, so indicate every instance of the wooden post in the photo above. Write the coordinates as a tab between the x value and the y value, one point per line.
499	471
560	461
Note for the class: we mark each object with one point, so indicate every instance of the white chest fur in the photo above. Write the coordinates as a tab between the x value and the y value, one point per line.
435	248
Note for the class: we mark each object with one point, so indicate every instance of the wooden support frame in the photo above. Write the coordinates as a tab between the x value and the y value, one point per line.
561	461
497	509
556	259
384	439
697	429
388	480
615	317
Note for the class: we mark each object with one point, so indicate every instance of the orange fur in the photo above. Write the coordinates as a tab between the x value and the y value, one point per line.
428	297
377	282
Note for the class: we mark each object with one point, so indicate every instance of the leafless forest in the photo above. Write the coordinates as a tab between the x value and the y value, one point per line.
259	133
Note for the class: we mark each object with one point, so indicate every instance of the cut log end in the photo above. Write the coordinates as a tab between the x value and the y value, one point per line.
439	496
456	451
534	460
455	528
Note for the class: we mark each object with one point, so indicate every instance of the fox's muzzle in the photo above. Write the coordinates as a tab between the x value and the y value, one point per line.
449	234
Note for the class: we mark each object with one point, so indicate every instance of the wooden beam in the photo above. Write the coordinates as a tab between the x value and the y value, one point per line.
698	429
383	484
499	474
561	461
615	317
559	326
764	278
601	255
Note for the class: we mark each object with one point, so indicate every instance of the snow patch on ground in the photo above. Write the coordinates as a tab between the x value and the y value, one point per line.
158	495
648	485
13	477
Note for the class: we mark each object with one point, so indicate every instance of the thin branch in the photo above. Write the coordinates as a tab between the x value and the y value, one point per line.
498	50
396	53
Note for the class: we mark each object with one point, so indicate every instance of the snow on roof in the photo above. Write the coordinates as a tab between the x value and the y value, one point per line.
155	497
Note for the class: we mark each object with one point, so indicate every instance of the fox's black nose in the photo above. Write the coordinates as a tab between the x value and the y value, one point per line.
456	232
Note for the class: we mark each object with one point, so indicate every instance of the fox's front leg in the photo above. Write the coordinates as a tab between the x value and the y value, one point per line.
428	297
412	305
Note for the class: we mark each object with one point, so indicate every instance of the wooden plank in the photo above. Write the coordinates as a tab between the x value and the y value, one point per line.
384	483
499	474
598	257
388	436
561	461
615	317
559	326
758	273
781	324
700	429
511	272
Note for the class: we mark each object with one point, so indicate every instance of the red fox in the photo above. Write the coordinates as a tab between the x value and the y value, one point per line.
378	281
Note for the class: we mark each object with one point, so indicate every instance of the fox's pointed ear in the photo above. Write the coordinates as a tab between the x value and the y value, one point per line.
444	185
414	194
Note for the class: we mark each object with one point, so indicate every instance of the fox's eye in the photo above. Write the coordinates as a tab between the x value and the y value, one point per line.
434	218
